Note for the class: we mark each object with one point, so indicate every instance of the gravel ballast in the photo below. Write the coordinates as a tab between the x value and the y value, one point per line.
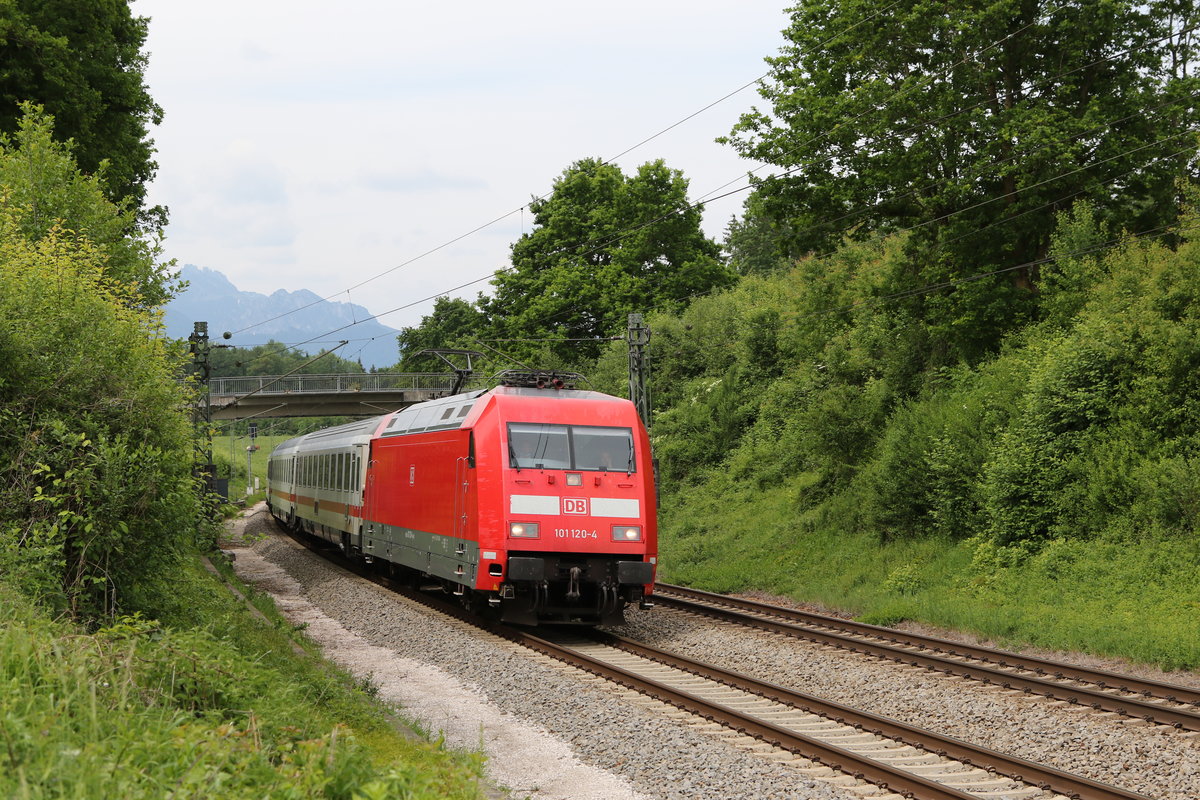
1152	759
547	732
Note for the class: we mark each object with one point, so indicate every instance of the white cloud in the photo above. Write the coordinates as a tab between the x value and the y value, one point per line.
340	141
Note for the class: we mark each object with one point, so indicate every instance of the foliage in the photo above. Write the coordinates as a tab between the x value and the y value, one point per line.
603	245
275	358
454	324
754	244
794	401
968	125
84	63
96	486
41	185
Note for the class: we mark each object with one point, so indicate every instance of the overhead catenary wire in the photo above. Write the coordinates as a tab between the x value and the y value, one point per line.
520	209
920	124
618	235
1001	220
1161	230
490	275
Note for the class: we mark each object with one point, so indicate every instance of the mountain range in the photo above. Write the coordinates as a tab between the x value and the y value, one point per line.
212	297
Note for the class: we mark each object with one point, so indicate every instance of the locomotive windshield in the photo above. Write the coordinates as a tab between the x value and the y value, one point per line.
534	445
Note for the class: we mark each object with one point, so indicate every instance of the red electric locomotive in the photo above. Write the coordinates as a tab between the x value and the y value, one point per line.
534	499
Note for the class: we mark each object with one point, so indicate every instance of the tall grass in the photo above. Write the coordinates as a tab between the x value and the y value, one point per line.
1106	596
141	709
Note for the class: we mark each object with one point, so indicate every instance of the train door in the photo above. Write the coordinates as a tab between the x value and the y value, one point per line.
292	490
462	485
358	468
462	490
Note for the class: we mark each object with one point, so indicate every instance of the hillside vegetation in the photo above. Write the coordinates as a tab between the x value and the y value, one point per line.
1047	494
127	670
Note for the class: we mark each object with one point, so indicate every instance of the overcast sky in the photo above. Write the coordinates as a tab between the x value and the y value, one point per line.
315	144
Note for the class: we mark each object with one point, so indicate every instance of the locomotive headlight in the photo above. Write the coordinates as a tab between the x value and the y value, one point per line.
523	530
627	533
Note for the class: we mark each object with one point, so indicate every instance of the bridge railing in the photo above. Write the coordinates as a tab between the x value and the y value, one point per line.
312	384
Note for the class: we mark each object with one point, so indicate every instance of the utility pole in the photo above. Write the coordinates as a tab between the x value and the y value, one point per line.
638	338
200	349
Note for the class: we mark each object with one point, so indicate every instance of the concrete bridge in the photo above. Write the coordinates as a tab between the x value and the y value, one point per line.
324	395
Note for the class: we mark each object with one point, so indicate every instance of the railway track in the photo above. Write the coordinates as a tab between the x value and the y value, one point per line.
902	760
897	757
1125	695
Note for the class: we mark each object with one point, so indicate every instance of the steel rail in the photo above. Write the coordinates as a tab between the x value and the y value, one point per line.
1094	698
883	775
837	758
1104	678
1019	769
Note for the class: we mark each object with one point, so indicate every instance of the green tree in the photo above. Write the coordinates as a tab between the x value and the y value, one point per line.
275	358
454	323
754	244
973	123
603	245
96	485
41	184
83	61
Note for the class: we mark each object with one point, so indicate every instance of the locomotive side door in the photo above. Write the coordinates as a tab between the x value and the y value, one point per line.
461	487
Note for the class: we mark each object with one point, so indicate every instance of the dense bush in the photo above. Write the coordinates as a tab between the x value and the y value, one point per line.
814	439
822	388
96	446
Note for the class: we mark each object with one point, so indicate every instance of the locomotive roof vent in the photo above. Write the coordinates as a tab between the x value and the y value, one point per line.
539	378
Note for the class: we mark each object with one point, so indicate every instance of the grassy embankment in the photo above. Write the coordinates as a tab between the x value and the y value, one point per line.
258	462
1045	492
204	701
1103	597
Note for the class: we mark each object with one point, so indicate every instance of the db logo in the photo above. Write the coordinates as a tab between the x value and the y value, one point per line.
575	505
